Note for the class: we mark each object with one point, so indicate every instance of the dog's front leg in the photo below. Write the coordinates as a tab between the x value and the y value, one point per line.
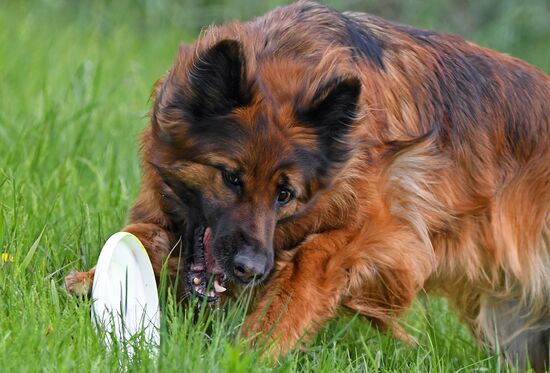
159	244
303	295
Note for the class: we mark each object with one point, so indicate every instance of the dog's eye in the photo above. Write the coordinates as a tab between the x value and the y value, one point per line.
284	196
231	178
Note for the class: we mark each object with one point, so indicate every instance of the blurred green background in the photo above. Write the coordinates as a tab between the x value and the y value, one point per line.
518	27
75	77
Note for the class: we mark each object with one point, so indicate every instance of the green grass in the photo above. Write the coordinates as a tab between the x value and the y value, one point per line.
74	88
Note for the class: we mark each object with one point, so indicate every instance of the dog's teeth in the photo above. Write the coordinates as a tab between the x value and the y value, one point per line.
197	267
218	287
200	291
211	294
196	280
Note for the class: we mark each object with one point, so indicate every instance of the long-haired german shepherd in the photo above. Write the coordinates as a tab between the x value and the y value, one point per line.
343	160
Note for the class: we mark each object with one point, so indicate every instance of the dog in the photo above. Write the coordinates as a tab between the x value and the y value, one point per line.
344	161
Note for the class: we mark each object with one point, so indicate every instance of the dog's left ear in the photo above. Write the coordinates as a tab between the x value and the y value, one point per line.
332	113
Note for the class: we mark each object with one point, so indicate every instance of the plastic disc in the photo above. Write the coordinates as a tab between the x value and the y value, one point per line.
124	292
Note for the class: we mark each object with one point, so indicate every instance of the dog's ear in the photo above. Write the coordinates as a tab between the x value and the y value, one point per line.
203	84
217	80
332	113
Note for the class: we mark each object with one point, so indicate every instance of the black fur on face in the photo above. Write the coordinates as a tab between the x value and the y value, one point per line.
195	112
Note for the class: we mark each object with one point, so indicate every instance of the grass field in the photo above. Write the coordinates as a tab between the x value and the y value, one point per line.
74	87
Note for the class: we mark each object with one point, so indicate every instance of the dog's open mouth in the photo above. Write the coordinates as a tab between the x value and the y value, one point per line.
205	278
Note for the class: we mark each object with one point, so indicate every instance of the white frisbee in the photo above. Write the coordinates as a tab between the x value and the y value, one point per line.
124	293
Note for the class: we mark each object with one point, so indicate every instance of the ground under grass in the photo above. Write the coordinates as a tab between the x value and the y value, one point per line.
74	87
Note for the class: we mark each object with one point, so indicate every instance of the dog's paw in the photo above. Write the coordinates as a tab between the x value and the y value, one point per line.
79	283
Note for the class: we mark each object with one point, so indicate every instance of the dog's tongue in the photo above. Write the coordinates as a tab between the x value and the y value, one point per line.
212	265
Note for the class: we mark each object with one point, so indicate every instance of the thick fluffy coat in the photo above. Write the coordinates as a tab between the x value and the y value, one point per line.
414	160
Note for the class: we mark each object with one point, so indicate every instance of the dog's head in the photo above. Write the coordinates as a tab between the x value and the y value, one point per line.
242	158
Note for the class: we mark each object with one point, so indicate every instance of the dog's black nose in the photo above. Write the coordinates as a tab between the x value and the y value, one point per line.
249	264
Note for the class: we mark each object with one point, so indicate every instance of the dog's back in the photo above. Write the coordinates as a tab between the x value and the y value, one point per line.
479	181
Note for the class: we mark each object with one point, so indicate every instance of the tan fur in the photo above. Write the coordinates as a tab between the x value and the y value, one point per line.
447	188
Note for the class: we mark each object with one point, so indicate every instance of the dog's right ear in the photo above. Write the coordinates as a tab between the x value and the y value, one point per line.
218	80
203	84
